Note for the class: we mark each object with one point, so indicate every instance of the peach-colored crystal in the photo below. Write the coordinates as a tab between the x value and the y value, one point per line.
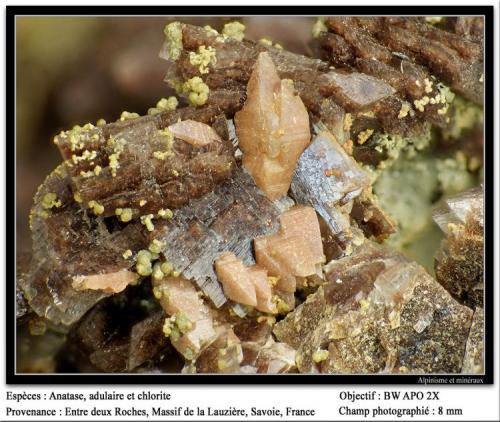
258	277
195	133
246	285
235	281
109	283
272	128
179	296
194	340
263	255
296	250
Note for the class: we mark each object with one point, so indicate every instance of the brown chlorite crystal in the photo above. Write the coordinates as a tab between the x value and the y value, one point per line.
421	62
471	27
459	261
322	89
272	128
369	44
371	218
72	248
119	334
140	166
378	312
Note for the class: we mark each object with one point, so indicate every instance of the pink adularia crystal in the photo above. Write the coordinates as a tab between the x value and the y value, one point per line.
190	326
272	128
195	133
245	285
296	250
108	283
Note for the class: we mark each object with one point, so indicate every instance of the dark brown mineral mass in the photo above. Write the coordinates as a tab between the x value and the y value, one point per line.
405	52
119	334
378	312
140	165
322	89
77	260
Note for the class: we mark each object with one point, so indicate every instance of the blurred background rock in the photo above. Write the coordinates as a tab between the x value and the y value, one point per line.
75	70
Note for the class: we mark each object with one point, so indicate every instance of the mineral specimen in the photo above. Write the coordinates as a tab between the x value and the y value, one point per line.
71	249
245	285
355	91
224	355
459	262
320	88
371	218
109	283
22	267
120	334
422	49
246	348
190	325
294	251
327	178
261	353
139	165
225	220
168	242
272	128
378	312
471	27
270	358
196	133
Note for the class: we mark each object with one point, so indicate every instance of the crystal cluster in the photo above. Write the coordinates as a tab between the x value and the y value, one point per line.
237	229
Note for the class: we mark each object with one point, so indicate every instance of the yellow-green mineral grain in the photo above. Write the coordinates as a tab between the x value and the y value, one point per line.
96	208
196	90
203	58
50	201
234	30
173	38
147	220
124	214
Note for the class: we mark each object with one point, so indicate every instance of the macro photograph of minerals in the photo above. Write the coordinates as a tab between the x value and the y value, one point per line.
249	195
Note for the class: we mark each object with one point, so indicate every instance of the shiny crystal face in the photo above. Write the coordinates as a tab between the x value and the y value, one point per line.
272	129
281	213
